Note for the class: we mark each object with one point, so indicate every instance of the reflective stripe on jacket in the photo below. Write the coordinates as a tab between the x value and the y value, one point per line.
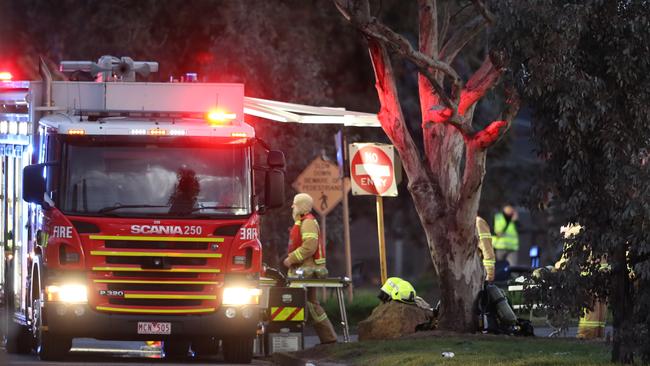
485	245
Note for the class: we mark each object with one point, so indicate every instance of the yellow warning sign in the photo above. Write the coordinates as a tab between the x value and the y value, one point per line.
321	181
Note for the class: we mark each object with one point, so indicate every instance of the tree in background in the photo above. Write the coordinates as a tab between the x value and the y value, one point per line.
445	178
584	69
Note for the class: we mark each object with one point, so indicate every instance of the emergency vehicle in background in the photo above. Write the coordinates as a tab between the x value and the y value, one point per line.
142	221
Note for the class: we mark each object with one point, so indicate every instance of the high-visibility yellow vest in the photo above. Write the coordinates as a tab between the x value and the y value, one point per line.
508	240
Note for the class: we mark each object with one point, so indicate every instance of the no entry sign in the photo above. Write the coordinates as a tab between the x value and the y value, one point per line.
372	168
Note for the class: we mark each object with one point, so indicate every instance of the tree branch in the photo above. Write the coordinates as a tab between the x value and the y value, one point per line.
476	149
481	81
428	22
460	38
425	64
354	10
472	180
483	10
372	28
390	115
445	23
495	130
441	114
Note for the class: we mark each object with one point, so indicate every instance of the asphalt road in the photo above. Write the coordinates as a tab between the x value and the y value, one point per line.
90	352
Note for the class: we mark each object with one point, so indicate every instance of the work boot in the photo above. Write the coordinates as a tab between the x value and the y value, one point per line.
321	323
325	331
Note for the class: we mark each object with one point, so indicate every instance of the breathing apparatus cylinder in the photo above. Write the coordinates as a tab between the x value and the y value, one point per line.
504	311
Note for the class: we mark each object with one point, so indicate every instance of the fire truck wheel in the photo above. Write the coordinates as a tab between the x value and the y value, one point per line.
49	346
238	349
52	347
19	339
176	349
208	346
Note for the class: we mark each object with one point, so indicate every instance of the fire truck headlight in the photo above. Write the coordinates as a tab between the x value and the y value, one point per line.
241	296
67	293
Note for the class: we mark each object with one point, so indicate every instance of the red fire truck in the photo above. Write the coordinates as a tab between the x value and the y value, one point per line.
140	214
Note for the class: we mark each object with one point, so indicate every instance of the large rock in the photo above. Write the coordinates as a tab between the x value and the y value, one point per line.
392	320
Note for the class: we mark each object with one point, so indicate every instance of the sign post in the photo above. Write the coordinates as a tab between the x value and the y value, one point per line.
341	155
372	169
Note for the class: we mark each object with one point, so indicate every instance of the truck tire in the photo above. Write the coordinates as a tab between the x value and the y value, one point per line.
52	347
208	346
238	349
49	346
19	338
176	349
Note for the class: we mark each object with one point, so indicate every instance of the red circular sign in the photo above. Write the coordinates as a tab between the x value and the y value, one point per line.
372	170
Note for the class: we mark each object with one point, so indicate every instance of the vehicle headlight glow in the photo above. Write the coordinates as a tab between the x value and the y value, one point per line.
70	293
241	296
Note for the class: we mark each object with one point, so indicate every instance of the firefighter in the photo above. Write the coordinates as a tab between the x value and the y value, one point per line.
485	245
592	324
307	256
506	238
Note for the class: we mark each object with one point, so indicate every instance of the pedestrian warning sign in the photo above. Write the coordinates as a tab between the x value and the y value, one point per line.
322	182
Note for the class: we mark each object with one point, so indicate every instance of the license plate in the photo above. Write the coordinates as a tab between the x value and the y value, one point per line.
154	328
285	342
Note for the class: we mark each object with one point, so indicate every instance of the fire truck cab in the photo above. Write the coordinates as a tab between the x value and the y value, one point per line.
141	215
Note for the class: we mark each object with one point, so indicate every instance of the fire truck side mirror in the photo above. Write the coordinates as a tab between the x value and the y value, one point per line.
275	159
274	188
34	183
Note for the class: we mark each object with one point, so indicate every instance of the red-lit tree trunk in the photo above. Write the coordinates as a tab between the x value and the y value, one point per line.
446	184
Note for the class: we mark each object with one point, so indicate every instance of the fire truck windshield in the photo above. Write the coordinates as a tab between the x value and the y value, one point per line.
155	179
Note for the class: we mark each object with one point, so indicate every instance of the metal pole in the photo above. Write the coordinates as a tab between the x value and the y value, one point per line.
346	238
344	315
380	235
323	230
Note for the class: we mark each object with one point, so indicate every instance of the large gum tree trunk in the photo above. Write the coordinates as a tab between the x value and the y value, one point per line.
461	276
445	179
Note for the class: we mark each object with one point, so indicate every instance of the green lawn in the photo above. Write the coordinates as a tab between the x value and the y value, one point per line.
480	350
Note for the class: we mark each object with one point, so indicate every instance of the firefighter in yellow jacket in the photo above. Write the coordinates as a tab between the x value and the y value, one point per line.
307	256
485	245
592	324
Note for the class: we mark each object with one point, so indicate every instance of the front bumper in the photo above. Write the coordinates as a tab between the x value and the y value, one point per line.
89	323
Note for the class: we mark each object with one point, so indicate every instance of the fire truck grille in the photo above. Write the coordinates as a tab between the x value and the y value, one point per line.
171	245
155	287
154	302
170	275
160	275
144	261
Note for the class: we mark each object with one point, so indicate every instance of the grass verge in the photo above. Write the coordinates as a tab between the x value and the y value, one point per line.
479	350
365	300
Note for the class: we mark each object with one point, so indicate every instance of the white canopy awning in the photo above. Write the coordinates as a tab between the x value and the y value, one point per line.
299	113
